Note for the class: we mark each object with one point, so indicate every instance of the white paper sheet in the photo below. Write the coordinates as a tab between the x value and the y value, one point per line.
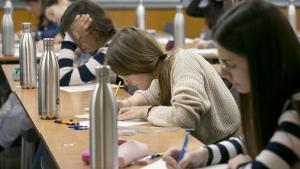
160	164
220	166
130	123
83	116
120	123
81	88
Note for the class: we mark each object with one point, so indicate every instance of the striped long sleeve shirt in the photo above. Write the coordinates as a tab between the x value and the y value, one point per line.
70	75
282	152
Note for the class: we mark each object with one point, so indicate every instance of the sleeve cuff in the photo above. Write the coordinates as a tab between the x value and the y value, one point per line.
68	37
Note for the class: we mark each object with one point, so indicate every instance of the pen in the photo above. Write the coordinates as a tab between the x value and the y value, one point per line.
118	88
144	160
152	156
182	152
78	127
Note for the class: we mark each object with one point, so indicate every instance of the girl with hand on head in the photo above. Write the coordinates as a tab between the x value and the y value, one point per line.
87	27
181	89
261	57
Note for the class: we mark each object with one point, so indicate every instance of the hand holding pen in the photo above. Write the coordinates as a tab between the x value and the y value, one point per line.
175	158
183	149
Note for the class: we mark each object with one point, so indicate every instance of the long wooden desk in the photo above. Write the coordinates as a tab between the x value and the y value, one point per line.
66	145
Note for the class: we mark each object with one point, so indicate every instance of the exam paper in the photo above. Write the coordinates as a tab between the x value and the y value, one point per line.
120	123
81	88
160	164
220	166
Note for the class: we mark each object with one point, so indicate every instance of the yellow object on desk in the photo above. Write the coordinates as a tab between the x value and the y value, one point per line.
118	88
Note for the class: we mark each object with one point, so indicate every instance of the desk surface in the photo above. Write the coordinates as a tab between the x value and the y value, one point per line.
66	145
8	58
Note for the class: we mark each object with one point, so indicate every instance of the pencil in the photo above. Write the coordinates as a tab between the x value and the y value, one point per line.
118	88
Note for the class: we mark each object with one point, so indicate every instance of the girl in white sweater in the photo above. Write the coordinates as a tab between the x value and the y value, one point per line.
181	89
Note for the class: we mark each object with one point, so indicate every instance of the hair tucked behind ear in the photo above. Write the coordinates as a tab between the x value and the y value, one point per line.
134	51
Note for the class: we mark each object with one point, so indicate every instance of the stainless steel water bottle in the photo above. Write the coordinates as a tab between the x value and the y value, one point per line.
179	32
48	86
28	61
292	16
140	16
103	123
8	34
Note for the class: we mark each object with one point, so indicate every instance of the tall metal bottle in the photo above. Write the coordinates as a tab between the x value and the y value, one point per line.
28	61
179	32
292	16
48	89
140	16
8	34
103	123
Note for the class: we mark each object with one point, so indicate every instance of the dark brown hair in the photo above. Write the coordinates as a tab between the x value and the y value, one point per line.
101	25
260	32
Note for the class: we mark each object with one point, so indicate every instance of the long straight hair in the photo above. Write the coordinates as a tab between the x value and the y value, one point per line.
134	51
258	31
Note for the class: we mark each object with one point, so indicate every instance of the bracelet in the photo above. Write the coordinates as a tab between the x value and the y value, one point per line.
149	109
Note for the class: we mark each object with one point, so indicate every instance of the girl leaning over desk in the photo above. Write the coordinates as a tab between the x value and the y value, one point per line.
181	89
261	56
86	27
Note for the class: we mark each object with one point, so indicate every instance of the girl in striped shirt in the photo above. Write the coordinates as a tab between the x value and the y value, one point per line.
261	57
87	27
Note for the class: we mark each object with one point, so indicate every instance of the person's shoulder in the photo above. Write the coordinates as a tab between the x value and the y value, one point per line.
290	116
187	56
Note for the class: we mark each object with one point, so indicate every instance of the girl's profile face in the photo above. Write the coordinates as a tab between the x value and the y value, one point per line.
141	81
88	43
235	69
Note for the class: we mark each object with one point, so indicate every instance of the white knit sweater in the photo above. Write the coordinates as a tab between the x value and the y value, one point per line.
200	100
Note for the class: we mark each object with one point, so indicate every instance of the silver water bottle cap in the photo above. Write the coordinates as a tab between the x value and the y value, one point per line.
26	26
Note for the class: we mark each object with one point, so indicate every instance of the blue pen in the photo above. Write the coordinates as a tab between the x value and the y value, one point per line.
78	127
182	152
152	156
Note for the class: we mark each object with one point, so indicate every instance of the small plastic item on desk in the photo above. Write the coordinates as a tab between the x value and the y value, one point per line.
16	74
128	151
68	122
86	153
